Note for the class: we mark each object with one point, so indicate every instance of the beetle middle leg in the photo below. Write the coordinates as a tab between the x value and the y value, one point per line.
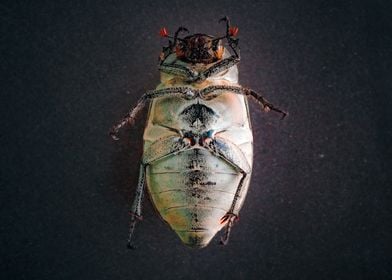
228	151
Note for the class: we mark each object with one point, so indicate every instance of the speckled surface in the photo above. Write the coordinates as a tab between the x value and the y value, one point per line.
317	207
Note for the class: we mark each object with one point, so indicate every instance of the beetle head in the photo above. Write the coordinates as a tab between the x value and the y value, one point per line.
199	48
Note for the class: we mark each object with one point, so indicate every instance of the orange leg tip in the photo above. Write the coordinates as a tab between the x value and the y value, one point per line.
219	52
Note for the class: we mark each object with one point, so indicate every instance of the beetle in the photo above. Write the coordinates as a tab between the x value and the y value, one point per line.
198	143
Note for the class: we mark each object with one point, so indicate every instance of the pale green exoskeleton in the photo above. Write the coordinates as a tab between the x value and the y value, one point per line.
198	143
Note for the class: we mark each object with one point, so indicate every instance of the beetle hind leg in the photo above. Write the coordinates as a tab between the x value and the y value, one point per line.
136	208
228	151
156	151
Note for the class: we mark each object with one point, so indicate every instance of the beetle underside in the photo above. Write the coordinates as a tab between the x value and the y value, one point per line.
198	144
192	191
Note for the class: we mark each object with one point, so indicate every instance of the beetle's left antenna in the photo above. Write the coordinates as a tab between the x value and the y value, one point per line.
231	33
179	30
167	50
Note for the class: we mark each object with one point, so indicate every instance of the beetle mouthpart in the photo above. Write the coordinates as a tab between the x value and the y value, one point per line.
219	52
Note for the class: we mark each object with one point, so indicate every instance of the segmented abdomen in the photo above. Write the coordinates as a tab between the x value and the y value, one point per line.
192	191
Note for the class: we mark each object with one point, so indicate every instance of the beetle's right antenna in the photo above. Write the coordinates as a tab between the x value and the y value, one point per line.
227	20
231	33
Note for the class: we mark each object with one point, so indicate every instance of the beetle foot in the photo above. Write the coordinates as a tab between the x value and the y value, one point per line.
113	134
224	241
134	219
135	216
267	107
229	217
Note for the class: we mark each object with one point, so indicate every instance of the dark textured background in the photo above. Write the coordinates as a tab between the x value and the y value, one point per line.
318	203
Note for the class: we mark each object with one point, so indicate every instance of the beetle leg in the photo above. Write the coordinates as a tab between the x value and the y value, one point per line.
130	117
213	91
230	218
178	70
165	147
228	151
267	106
157	150
218	67
136	208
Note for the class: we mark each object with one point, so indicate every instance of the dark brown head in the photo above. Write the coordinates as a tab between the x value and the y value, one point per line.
199	48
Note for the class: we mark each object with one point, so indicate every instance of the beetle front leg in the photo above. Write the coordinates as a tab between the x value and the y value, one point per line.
218	68
178	70
131	116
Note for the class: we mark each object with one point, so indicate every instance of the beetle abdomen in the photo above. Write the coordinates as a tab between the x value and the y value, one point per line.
192	191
